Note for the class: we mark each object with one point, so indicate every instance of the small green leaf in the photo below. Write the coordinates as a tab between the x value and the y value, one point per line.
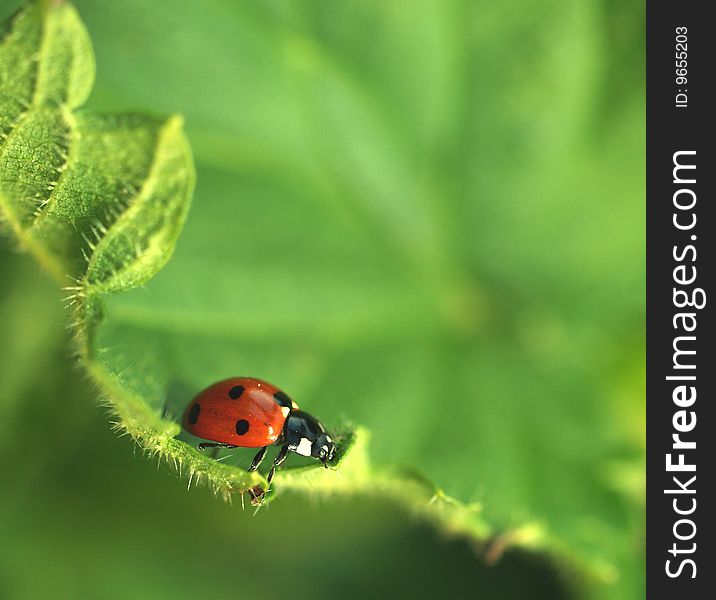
101	198
139	240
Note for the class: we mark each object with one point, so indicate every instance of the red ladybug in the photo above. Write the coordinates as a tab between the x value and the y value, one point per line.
251	413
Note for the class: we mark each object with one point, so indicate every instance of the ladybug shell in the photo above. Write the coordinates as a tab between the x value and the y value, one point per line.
240	411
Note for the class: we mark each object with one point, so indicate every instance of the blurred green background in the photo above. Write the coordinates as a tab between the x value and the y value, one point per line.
436	209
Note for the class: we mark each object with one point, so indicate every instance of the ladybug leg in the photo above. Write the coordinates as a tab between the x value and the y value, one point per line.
277	463
205	445
257	459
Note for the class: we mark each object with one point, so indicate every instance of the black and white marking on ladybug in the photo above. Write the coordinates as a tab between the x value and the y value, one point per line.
306	436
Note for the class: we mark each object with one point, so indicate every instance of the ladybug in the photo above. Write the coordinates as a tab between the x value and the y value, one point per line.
243	412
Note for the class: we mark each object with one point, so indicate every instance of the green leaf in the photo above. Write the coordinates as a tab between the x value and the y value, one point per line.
407	234
100	198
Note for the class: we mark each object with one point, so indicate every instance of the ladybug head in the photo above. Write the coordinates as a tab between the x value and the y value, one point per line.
324	448
306	436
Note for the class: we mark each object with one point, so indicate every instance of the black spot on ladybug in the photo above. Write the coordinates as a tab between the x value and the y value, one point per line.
194	414
242	426
236	391
282	399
